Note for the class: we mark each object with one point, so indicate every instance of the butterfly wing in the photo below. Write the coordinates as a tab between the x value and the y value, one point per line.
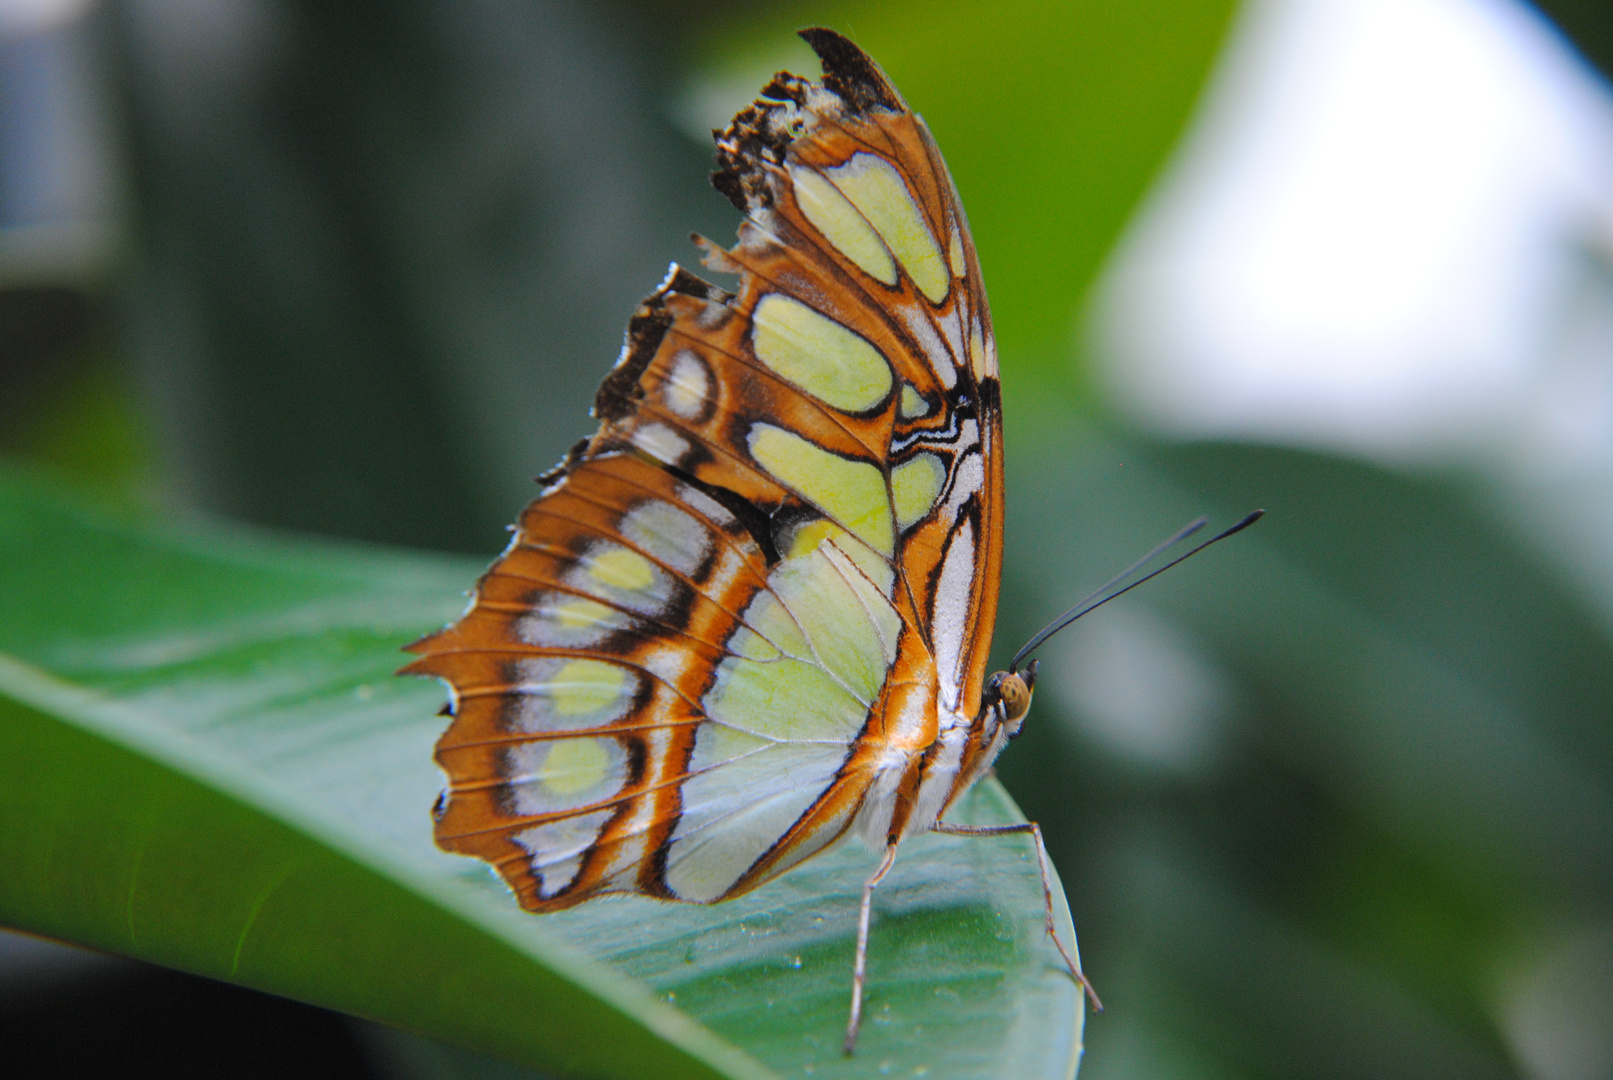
737	618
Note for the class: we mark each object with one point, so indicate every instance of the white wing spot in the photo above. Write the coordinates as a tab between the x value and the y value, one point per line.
558	846
621	576
704	503
954	334
919	325
687	386
561	620
668	534
661	443
561	694
968	476
949	620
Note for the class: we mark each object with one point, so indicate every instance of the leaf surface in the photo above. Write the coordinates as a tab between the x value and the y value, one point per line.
209	765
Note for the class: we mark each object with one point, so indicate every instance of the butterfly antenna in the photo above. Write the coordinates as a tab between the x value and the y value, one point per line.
1101	596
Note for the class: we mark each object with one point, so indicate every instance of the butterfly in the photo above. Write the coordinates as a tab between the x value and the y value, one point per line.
749	616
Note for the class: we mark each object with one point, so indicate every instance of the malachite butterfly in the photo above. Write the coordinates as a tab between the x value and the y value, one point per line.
750	615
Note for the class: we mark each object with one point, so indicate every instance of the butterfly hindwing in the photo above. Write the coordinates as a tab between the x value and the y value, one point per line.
740	615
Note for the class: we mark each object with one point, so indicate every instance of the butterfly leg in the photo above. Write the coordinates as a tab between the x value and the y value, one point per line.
1047	889
859	969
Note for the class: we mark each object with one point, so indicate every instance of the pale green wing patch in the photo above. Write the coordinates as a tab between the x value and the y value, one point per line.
817	588
874	187
782	726
814	352
850	492
784	699
842	224
915	485
913	404
871	595
844	637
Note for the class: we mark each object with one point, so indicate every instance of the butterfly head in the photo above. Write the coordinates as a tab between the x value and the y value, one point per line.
1010	692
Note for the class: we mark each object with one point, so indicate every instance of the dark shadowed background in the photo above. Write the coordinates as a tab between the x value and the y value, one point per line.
1334	800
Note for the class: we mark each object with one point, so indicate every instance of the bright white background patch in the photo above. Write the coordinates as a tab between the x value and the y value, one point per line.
1390	232
1364	242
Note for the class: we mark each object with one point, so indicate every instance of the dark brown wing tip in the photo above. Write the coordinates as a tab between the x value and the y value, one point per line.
759	136
850	72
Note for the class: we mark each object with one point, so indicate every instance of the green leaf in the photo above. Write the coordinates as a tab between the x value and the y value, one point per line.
208	764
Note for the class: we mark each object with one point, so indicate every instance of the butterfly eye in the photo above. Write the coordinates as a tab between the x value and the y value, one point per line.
1016	698
1012	692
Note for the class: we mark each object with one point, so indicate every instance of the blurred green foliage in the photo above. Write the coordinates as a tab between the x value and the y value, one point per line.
385	254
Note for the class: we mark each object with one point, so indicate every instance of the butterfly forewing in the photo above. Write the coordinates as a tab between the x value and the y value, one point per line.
741	616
